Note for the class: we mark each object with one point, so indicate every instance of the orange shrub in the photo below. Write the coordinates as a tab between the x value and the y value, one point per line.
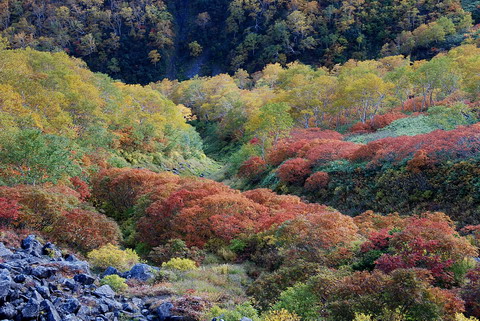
252	167
294	171
317	181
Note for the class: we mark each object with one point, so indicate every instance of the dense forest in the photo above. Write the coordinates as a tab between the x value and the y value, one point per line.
269	160
141	41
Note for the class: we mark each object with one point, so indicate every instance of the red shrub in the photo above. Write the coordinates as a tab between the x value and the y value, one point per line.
317	181
381	121
121	187
80	187
222	216
9	211
326	150
85	230
463	142
361	128
252	167
270	199
419	162
369	222
285	150
471	292
294	170
322	228
289	147
428	241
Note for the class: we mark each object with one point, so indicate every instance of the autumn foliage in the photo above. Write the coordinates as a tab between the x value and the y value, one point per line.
294	170
57	212
316	181
9	211
252	167
437	145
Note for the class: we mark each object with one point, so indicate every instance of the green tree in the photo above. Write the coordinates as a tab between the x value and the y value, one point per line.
270	123
30	157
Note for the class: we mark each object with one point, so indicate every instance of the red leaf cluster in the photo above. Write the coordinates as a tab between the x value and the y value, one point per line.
462	142
252	167
379	121
317	181
289	147
294	170
9	211
80	187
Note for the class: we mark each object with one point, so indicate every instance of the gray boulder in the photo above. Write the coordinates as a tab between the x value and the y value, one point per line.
4	251
32	246
51	312
164	311
84	279
31	310
104	291
142	272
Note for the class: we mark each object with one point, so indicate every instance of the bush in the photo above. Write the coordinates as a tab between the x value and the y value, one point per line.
180	264
175	248
461	317
116	282
235	314
111	255
280	315
165	276
294	170
300	300
317	181
9	211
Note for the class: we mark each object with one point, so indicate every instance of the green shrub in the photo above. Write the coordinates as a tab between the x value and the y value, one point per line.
280	315
300	300
175	248
362	317
165	276
111	255
180	264
235	314
450	117
116	282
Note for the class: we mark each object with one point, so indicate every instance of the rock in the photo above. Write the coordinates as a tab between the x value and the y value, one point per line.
7	311
84	312
71	284
5	284
104	291
35	296
51	312
142	272
31	310
245	319
164	311
71	258
4	251
112	304
51	250
20	278
44	291
130	307
32	246
74	266
71	306
84	279
71	317
43	272
110	271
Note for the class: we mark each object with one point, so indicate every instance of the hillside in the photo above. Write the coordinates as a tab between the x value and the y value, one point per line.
323	165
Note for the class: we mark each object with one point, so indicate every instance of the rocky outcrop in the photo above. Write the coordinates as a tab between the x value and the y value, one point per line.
38	283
